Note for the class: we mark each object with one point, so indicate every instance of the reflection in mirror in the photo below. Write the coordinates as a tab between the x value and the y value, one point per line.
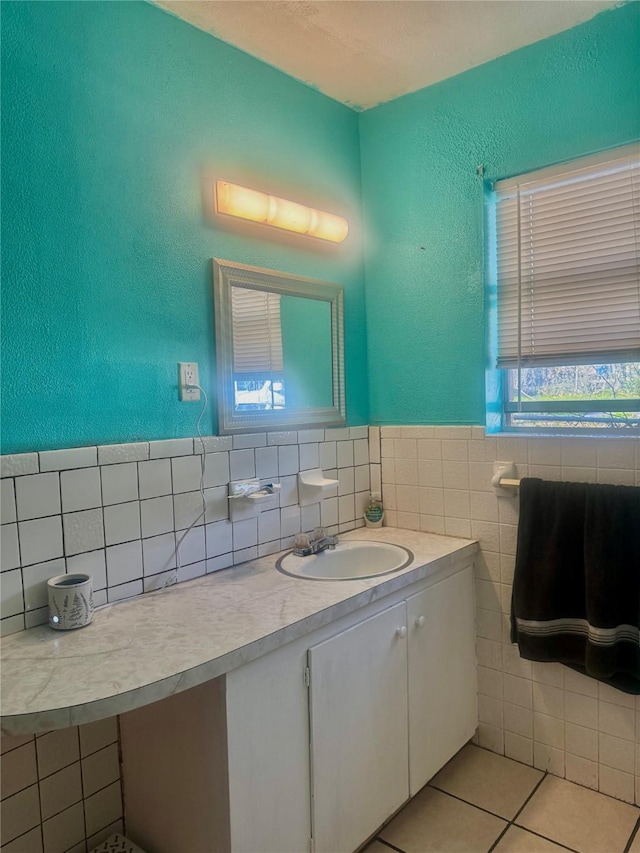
279	349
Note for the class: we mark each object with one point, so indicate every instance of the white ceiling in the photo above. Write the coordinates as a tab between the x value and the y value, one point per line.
365	52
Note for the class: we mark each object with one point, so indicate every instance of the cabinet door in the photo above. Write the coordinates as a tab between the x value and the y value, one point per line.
358	706
268	755
442	674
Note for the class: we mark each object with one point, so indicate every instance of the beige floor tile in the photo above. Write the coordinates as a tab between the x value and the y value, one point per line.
490	781
635	847
579	818
376	847
433	822
516	840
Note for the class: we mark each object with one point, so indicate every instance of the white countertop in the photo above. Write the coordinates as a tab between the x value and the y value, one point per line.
143	650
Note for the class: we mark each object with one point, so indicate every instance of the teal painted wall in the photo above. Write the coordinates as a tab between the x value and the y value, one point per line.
569	95
110	112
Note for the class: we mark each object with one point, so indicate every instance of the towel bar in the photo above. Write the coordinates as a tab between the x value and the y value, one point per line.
504	480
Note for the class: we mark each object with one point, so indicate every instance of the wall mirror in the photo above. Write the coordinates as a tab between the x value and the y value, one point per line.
279	349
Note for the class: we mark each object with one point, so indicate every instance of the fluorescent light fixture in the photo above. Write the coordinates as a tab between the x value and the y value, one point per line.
245	203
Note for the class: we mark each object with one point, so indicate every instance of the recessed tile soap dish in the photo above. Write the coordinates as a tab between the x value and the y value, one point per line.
313	486
247	496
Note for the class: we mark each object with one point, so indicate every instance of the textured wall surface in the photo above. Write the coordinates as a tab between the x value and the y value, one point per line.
570	95
110	113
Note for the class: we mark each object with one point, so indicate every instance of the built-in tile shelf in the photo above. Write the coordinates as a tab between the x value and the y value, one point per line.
121	512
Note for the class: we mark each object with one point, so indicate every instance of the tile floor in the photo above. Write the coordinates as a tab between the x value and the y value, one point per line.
484	803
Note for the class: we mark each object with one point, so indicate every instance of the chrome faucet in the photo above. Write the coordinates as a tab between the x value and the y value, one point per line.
304	544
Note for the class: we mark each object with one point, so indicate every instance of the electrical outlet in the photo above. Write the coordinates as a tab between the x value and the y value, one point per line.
188	380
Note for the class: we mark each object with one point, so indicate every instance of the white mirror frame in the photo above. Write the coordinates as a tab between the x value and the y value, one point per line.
227	273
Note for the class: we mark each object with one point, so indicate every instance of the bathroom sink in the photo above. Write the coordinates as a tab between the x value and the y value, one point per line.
347	561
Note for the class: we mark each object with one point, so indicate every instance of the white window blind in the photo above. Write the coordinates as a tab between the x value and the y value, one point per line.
568	271
257	335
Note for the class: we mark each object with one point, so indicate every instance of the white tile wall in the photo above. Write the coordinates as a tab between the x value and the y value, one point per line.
433	479
40	539
9	548
121	523
119	483
154	478
438	479
186	473
81	489
37	495
122	520
216	472
170	447
83	531
61	460
110	454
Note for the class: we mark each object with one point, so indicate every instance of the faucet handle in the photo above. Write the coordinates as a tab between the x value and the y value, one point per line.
301	541
318	533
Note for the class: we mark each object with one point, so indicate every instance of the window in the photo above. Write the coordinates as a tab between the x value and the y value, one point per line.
258	375
564	253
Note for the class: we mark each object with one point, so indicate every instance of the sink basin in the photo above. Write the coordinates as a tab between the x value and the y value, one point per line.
351	560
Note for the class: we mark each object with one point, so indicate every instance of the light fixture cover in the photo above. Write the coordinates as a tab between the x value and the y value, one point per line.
246	203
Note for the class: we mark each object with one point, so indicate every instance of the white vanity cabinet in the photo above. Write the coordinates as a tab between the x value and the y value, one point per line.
391	701
315	744
443	703
267	715
359	729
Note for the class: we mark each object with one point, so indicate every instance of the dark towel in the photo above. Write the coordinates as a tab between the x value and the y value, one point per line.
577	571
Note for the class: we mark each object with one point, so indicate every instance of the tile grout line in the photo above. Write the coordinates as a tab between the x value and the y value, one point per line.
389	844
35	746
26	832
467	802
510	823
499	838
544	837
520	810
513	819
123	817
13	748
635	833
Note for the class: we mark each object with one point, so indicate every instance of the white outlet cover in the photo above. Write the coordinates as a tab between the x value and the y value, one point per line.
188	375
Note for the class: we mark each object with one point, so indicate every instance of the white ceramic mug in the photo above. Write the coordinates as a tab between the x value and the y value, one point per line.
70	601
